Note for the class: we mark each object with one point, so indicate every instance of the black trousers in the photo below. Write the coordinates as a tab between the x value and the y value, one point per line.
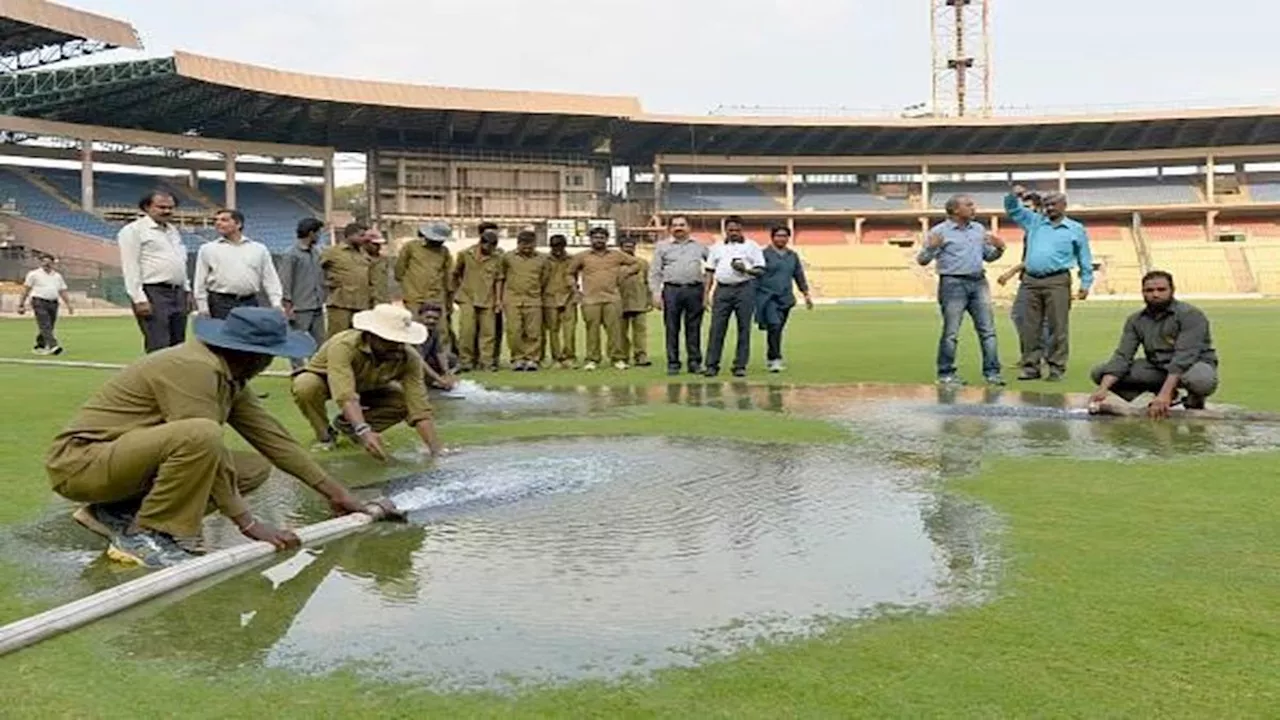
738	301
46	312
167	324
221	304
682	307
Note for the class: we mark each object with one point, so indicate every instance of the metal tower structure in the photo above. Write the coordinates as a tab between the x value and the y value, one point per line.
961	34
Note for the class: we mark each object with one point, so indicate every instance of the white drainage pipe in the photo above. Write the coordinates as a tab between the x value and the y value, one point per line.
20	634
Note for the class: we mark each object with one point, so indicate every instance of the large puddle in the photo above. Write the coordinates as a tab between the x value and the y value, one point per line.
594	558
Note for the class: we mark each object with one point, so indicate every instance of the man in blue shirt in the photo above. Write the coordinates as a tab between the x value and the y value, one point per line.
961	246
1055	244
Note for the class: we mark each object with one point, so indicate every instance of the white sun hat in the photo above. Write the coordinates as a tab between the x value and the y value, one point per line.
391	322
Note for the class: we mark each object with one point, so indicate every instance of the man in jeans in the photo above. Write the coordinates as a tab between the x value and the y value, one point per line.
961	247
676	279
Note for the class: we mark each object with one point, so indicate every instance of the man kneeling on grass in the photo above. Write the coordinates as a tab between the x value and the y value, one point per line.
146	451
376	376
1177	349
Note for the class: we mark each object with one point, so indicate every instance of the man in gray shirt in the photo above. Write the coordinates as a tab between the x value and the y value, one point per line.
676	276
304	287
962	246
1177	349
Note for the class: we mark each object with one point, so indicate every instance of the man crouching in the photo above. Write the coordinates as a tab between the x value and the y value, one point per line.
375	375
146	451
1177	348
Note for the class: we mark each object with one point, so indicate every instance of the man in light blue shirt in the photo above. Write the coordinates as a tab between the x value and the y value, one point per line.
961	247
1055	244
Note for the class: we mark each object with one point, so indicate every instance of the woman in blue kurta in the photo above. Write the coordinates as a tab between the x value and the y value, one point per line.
774	297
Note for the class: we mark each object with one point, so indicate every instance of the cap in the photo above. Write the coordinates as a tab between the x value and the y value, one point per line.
435	232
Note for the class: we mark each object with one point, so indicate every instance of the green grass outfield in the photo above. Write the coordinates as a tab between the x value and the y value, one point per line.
1137	589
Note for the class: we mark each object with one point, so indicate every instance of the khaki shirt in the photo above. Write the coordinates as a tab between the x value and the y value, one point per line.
602	273
350	368
379	280
526	279
635	290
476	277
181	383
347	276
560	283
425	273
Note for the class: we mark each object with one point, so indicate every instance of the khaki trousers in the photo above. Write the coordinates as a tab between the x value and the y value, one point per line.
635	336
338	319
524	332
170	468
477	336
608	315
383	407
560	331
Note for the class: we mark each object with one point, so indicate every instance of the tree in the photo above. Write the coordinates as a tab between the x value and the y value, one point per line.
353	199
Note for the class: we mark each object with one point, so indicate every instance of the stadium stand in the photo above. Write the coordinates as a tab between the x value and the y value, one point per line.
728	197
822	198
1265	191
1160	231
1264	260
40	203
120	190
822	235
1124	192
987	196
1198	268
271	212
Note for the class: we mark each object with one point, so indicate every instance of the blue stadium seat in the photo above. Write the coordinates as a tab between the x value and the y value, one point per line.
729	197
1267	191
38	204
1122	192
837	197
271	214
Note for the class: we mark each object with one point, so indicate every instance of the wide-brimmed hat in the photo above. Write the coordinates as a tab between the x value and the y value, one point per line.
435	232
263	331
391	322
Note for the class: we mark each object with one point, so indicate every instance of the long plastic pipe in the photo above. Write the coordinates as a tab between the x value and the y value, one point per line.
20	634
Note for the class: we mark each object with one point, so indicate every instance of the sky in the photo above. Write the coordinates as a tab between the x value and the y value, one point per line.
692	56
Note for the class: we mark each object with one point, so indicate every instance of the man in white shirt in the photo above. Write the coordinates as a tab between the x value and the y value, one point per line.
153	260
44	286
233	271
732	268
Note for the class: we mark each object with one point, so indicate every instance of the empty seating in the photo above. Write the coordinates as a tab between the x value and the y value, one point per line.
37	203
844	197
821	235
1173	231
987	196
271	213
1265	191
1197	267
1121	192
729	197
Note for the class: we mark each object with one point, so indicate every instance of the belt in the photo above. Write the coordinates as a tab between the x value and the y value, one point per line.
732	285
234	296
1044	276
683	285
978	276
165	286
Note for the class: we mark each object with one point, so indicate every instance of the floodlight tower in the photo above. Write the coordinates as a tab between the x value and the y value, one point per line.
961	33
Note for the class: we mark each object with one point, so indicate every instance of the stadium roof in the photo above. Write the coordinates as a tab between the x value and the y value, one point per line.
192	94
28	25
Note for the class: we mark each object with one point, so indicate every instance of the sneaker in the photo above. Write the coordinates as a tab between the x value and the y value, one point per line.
531	366
194	545
1029	374
774	366
589	366
148	548
518	366
673	371
739	373
952	380
56	350
620	365
39	351
711	372
995	380
103	520
695	368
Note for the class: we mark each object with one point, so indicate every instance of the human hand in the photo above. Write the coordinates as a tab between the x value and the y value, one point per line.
22	309
1019	190
1083	294
142	309
71	310
1099	396
657	301
448	382
995	241
264	532
1158	408
372	443
808	302
287	307
341	501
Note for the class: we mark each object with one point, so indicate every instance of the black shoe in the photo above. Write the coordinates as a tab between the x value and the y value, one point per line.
1029	375
711	372
673	371
695	368
1055	376
148	548
739	373
57	350
643	363
1193	402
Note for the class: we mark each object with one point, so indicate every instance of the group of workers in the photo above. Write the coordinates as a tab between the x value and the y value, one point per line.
146	457
1180	365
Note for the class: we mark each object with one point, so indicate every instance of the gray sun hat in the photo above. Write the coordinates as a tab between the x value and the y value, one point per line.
435	232
263	331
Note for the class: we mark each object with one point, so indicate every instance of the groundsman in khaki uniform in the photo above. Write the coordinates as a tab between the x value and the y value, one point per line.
146	452
375	376
560	308
348	277
600	272
478	277
526	272
636	304
424	270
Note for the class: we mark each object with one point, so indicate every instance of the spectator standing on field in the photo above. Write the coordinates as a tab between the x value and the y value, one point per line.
302	284
153	260
636	296
233	271
774	295
44	286
732	267
676	278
